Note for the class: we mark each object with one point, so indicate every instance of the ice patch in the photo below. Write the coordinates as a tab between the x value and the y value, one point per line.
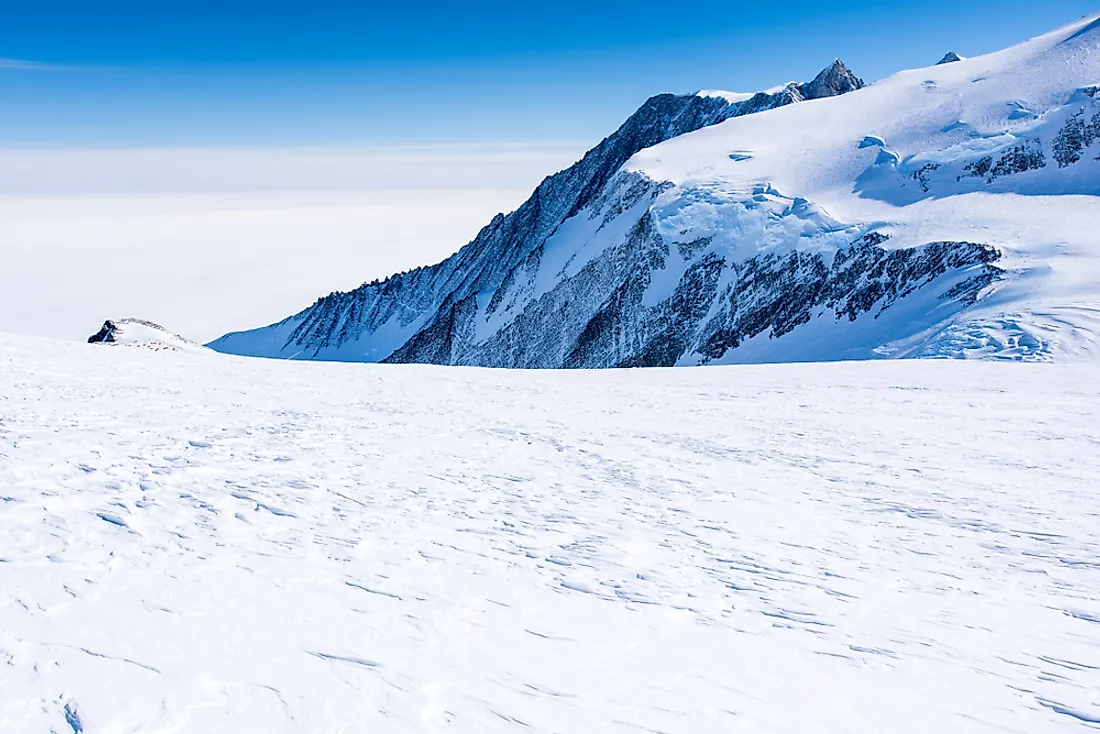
1019	111
742	224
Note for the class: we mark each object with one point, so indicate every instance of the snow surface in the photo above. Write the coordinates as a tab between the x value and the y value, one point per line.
193	542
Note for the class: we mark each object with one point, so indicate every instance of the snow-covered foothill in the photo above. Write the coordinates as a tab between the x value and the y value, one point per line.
142	334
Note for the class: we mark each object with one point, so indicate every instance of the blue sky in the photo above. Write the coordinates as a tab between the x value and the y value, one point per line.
116	73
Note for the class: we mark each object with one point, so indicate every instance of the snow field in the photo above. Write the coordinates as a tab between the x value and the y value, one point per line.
198	543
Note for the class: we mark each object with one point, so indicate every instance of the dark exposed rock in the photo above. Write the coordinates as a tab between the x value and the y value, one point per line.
949	58
132	330
106	333
435	343
1077	134
599	317
921	175
832	81
776	294
1024	156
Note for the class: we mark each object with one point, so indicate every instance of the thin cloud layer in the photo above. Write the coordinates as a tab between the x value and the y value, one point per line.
25	65
222	170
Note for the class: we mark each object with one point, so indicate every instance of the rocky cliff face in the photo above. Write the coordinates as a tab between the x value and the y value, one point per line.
652	298
632	281
605	268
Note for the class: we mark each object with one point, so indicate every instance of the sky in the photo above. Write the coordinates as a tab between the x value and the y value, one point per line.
329	73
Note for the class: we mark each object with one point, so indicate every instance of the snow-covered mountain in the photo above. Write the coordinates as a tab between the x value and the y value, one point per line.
945	211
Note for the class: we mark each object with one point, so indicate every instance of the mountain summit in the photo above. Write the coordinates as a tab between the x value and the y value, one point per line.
935	213
832	81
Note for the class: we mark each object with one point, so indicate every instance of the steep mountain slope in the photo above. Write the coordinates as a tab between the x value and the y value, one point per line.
372	321
944	211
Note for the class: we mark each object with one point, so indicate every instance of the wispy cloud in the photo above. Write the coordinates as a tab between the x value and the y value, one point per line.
24	65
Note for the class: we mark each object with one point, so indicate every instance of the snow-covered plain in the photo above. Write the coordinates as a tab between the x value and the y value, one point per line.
192	542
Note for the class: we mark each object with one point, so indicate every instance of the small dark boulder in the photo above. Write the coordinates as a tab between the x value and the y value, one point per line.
105	334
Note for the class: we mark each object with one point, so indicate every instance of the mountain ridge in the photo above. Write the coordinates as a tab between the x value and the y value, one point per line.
334	319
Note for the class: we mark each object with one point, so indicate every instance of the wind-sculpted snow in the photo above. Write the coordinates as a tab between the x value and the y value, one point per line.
204	544
1000	150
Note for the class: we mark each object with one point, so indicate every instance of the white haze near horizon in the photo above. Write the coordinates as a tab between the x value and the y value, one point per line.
206	241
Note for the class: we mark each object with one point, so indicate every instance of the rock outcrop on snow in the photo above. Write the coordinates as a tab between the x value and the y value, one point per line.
106	333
